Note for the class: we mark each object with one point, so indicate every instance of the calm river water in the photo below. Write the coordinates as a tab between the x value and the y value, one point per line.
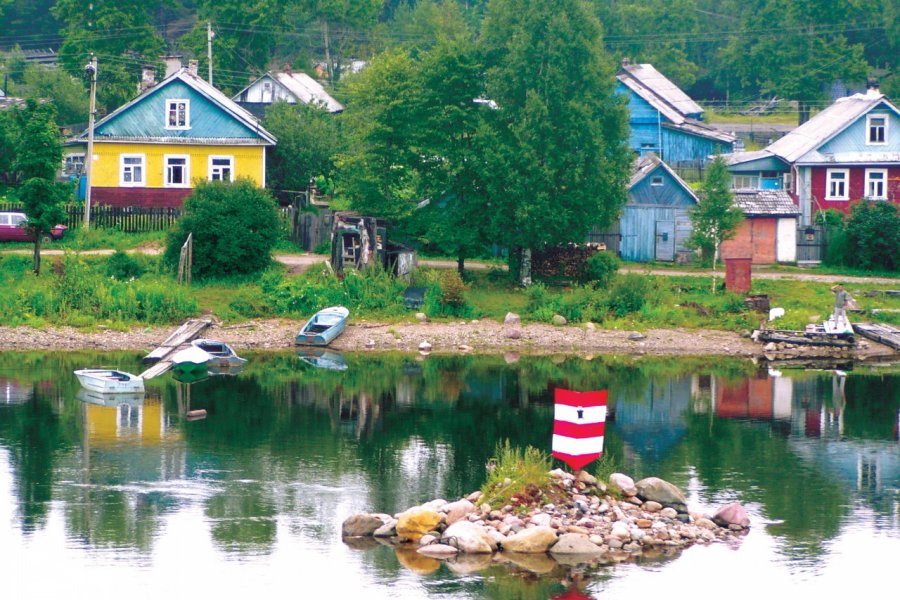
134	500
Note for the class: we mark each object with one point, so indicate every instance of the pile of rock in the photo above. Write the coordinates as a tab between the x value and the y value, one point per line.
594	521
784	350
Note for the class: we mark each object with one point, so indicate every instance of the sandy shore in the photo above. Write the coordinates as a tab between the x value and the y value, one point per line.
483	336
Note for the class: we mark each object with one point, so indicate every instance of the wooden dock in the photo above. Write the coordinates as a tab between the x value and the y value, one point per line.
879	332
160	358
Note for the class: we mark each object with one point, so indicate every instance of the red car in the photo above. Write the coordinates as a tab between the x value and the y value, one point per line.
12	229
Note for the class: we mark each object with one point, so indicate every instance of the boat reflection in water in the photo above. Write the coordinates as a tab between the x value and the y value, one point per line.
323	359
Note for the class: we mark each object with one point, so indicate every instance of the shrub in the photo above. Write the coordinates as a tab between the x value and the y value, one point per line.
873	232
123	267
235	227
445	295
511	471
452	289
601	268
629	294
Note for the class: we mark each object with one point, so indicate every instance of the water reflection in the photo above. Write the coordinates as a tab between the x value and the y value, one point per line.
288	451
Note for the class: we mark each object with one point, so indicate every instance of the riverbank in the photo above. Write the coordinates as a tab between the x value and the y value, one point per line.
476	336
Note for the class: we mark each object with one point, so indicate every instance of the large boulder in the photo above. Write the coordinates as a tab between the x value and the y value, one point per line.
417	521
360	525
622	483
511	319
458	510
659	490
530	541
575	543
731	514
469	537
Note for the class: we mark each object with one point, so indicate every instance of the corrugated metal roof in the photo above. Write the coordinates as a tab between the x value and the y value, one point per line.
737	158
825	125
201	141
662	87
765	203
309	91
702	129
203	88
670	112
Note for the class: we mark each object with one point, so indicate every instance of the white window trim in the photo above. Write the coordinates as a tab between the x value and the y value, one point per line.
884	183
887	120
143	165
187	114
187	169
656	181
220	157
828	174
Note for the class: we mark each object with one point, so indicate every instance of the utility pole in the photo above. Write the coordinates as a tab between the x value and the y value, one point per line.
209	38
91	70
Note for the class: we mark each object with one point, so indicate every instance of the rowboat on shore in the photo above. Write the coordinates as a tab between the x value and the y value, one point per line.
110	381
325	325
204	354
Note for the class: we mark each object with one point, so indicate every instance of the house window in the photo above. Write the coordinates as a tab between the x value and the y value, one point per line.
178	114
73	165
788	179
131	170
837	184
656	181
221	168
875	184
177	170
876	129
745	182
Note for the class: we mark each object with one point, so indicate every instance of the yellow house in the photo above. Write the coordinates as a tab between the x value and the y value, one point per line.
151	151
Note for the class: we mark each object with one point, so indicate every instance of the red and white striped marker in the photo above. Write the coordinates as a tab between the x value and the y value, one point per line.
579	423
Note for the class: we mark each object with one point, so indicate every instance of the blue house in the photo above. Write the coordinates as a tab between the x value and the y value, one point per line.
655	223
664	120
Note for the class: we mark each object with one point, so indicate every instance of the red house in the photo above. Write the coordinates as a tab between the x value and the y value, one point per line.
848	152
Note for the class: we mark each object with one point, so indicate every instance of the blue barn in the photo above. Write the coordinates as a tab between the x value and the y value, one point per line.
664	120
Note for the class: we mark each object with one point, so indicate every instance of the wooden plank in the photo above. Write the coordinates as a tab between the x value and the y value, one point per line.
883	334
188	331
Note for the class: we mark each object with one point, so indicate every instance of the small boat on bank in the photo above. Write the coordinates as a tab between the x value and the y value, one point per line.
204	354
110	381
325	325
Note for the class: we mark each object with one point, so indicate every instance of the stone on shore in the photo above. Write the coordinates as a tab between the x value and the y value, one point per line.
559	320
424	346
468	537
660	490
529	541
587	478
417	521
575	543
731	514
389	529
622	483
360	525
438	550
458	510
513	333
421	317
511	318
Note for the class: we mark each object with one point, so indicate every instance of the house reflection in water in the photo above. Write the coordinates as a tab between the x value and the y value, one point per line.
126	418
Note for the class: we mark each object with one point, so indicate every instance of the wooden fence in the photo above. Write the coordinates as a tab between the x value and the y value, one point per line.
129	219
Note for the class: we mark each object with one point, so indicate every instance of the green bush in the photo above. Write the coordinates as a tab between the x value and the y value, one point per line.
235	227
123	266
873	232
512	470
601	268
446	295
629	294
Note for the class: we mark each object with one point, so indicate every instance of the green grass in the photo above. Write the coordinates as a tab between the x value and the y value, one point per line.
781	116
511	471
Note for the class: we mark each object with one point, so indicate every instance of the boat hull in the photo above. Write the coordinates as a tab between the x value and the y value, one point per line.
324	327
108	381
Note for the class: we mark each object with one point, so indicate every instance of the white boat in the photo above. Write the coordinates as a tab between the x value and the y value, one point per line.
110	381
203	354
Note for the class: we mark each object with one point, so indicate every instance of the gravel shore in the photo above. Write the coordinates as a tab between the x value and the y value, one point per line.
481	336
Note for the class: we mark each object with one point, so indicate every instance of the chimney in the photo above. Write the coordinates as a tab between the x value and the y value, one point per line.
872	86
287	69
626	61
173	63
192	67
148	78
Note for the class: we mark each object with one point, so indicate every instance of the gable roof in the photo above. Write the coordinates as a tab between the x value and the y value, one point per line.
826	124
666	97
644	165
769	203
203	88
302	87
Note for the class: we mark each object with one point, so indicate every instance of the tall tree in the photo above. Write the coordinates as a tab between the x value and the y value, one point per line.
558	161
339	23
378	173
38	157
715	218
120	33
307	143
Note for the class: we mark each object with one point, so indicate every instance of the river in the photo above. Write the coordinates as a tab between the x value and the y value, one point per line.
103	499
